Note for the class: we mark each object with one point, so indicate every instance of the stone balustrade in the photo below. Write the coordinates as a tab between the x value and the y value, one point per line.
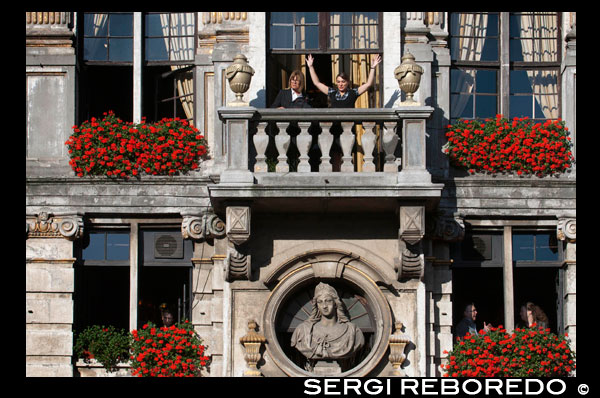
390	140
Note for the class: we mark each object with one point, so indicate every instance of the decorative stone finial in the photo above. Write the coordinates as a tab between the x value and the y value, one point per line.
239	74
408	75
252	342
398	342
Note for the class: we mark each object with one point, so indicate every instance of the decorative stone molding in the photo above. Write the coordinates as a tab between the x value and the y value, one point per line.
47	225
48	29
448	228
411	262
238	224
237	265
201	227
310	268
220	17
567	229
252	343
398	342
412	224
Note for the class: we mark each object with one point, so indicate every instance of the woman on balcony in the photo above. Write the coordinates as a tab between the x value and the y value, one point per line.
292	97
344	96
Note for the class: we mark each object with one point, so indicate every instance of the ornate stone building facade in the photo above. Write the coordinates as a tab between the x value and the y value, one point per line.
239	245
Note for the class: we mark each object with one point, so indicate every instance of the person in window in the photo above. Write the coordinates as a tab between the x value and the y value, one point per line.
292	97
344	96
532	314
467	324
166	315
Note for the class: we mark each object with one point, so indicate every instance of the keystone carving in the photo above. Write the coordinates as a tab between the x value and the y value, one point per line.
47	225
567	229
201	227
252	343
412	223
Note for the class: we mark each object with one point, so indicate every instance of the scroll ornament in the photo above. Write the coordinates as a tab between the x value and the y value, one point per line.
46	225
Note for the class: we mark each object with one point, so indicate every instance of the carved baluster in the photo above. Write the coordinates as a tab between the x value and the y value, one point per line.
282	142
390	141
325	140
261	141
368	144
347	142
303	141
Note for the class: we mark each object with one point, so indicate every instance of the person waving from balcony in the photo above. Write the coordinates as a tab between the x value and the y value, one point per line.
344	96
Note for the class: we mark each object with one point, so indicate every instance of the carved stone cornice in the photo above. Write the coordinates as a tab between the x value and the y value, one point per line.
48	225
567	229
203	226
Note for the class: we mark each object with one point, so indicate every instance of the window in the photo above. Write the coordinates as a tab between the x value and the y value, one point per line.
522	46
478	273
168	46
108	279
339	42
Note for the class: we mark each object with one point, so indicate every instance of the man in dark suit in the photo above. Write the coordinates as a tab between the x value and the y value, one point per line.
292	97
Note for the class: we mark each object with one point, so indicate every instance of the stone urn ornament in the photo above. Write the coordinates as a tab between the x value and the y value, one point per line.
239	74
408	75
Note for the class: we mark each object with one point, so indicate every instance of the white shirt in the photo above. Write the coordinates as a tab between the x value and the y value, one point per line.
295	95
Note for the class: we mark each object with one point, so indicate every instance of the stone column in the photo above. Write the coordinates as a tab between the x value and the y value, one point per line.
49	287
567	232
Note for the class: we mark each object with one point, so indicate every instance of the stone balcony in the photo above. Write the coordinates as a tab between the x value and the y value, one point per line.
278	156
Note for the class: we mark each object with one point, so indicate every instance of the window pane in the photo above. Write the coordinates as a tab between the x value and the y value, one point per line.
490	50
485	106
307	17
546	247
523	247
308	37
461	106
282	17
519	82
95	49
520	106
153	25
95	249
117	246
282	37
121	25
120	50
156	49
95	24
485	81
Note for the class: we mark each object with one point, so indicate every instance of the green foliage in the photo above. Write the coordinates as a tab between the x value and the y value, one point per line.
107	345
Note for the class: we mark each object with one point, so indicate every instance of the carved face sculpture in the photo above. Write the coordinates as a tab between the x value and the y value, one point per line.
326	305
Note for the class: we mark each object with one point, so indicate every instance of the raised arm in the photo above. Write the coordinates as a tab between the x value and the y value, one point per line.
371	78
313	75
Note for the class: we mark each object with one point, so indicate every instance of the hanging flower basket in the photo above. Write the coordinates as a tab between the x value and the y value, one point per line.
522	146
114	148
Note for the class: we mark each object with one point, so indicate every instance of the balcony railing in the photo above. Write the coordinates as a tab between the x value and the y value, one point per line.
263	144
